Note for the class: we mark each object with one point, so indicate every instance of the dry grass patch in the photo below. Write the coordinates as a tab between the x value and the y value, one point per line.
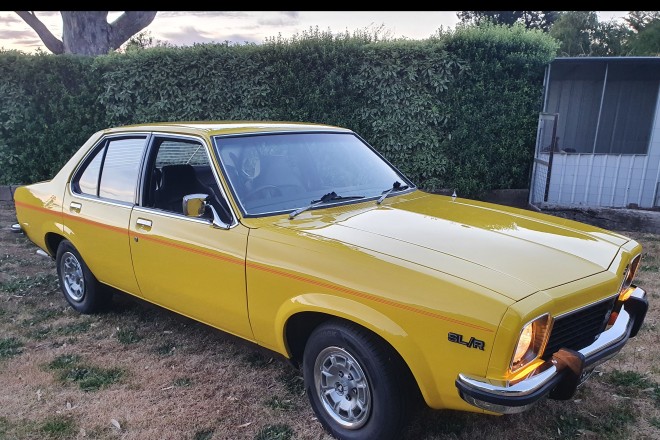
139	372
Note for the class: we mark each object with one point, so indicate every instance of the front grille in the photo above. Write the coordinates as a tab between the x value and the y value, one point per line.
578	329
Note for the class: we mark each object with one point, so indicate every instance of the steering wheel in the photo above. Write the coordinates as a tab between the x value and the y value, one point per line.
265	191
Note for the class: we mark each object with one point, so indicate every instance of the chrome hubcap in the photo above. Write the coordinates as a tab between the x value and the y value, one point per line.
72	277
342	387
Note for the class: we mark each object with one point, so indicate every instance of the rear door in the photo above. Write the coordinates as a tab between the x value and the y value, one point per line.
98	204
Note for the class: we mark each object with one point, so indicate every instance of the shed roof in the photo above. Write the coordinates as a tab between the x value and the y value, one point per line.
617	60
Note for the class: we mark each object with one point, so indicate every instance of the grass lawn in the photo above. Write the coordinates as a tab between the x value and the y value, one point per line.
142	372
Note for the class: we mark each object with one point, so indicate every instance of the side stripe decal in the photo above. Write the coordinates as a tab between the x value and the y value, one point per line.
263	268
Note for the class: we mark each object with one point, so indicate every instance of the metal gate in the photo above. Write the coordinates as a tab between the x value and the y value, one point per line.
546	145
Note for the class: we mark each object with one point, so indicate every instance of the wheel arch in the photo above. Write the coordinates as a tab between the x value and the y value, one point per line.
298	324
52	241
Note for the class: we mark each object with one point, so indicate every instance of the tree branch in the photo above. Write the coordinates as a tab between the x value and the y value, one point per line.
128	24
53	44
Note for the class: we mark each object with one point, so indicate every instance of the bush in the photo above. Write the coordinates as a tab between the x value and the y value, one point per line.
418	102
48	108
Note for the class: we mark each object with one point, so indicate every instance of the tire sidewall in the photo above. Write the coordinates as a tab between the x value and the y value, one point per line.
90	300
387	406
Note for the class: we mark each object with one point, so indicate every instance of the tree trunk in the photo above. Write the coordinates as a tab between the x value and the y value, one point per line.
86	32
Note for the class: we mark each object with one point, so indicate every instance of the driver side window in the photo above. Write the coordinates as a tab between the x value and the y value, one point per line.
182	167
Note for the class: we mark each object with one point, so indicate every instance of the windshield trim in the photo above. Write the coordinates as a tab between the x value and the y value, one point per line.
344	131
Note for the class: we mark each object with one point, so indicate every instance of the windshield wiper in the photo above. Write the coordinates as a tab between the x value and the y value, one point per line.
327	198
396	186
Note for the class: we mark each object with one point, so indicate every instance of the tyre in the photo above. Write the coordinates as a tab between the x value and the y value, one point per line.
80	288
356	384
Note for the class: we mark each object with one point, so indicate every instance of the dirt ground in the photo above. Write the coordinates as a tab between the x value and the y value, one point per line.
141	372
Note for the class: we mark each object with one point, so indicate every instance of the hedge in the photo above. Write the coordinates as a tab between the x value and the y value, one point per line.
457	110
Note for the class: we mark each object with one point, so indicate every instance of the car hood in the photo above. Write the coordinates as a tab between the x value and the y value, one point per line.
512	251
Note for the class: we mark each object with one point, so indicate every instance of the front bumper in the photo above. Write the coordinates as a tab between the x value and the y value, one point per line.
561	374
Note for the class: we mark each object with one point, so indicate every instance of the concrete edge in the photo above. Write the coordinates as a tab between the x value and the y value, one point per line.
517	198
612	219
7	193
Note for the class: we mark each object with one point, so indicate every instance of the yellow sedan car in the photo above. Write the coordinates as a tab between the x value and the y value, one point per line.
303	239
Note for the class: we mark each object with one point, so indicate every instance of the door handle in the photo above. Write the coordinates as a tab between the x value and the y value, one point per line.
143	223
75	207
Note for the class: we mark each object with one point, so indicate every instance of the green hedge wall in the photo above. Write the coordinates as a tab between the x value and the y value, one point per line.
48	108
495	107
457	110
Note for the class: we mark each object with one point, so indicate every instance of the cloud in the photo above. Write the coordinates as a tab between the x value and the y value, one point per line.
291	14
222	14
265	18
241	38
24	40
188	35
25	44
37	13
282	19
185	28
16	34
182	28
10	19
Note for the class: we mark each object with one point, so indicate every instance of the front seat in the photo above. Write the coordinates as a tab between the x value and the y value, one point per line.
178	181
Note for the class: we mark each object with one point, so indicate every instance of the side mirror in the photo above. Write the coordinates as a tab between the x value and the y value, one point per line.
196	205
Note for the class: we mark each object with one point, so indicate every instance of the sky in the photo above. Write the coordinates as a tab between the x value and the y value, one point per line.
185	28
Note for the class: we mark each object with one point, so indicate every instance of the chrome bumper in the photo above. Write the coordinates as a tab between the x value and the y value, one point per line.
560	375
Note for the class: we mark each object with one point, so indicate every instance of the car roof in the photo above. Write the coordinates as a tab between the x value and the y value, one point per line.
212	128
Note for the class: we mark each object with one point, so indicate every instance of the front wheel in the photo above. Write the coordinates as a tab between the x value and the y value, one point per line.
356	384
80	288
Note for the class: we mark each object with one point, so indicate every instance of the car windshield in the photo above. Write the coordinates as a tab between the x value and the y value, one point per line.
280	173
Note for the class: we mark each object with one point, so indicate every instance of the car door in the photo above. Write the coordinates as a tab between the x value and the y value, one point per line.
97	208
187	264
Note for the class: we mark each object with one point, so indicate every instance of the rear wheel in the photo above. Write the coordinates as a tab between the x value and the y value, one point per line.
356	384
80	287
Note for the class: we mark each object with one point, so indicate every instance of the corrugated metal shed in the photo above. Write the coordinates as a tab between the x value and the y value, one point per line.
606	149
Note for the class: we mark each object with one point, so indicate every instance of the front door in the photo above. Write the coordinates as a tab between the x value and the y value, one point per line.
184	263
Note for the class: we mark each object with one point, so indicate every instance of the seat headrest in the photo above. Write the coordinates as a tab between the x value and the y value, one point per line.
178	173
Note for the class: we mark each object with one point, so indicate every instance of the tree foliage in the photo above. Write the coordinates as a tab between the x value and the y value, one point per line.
646	29
542	20
580	33
640	20
610	38
89	32
575	31
417	102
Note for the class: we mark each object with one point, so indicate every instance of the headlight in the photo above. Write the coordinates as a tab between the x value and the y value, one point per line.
531	342
628	277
